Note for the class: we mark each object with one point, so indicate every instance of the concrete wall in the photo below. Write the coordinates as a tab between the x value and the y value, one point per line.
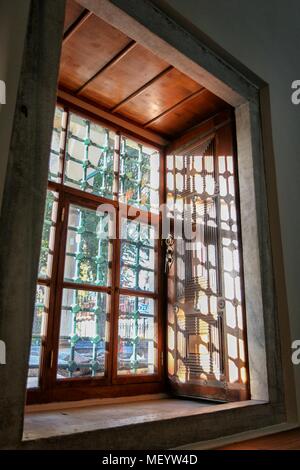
264	37
12	37
23	200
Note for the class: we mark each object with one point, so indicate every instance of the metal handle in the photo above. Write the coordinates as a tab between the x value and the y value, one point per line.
170	243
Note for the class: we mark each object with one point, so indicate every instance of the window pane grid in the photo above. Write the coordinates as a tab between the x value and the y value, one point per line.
139	175
102	162
84	330
57	145
138	260
88	249
48	235
41	307
98	161
89	160
137	336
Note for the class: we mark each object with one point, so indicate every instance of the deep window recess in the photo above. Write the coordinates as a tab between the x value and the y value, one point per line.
97	310
101	314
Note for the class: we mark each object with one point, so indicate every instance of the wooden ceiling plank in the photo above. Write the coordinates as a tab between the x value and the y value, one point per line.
144	91
189	115
85	15
72	12
175	106
77	102
141	89
160	96
112	62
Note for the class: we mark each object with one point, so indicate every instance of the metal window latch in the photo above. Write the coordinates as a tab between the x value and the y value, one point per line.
170	244
221	303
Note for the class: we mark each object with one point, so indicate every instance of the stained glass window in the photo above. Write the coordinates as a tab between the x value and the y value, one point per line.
83	333
137	344
89	164
139	175
48	235
137	325
57	145
137	256
93	172
88	248
38	332
42	291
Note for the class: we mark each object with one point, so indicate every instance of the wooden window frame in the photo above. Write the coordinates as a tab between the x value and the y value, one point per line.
111	384
204	132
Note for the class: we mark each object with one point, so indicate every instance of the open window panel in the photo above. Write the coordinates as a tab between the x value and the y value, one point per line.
206	320
127	301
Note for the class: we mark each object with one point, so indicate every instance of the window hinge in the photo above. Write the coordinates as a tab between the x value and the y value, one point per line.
162	358
63	214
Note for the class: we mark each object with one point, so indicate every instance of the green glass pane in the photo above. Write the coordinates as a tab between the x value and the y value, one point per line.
83	334
89	157
137	336
139	175
47	243
88	248
38	331
137	256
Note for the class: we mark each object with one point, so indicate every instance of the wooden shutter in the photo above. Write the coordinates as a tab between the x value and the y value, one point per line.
206	340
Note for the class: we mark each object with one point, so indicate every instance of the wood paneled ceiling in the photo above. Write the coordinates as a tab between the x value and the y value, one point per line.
108	69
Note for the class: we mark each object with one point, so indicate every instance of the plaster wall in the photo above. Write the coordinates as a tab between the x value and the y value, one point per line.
264	37
12	37
240	28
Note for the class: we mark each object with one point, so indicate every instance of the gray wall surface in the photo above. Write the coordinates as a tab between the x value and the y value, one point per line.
23	200
13	23
264	37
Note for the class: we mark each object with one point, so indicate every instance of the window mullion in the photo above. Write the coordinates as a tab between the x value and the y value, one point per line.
63	144
115	286
116	180
51	345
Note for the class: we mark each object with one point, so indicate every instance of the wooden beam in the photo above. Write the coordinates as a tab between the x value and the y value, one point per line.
141	89
175	106
115	121
120	55
82	18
